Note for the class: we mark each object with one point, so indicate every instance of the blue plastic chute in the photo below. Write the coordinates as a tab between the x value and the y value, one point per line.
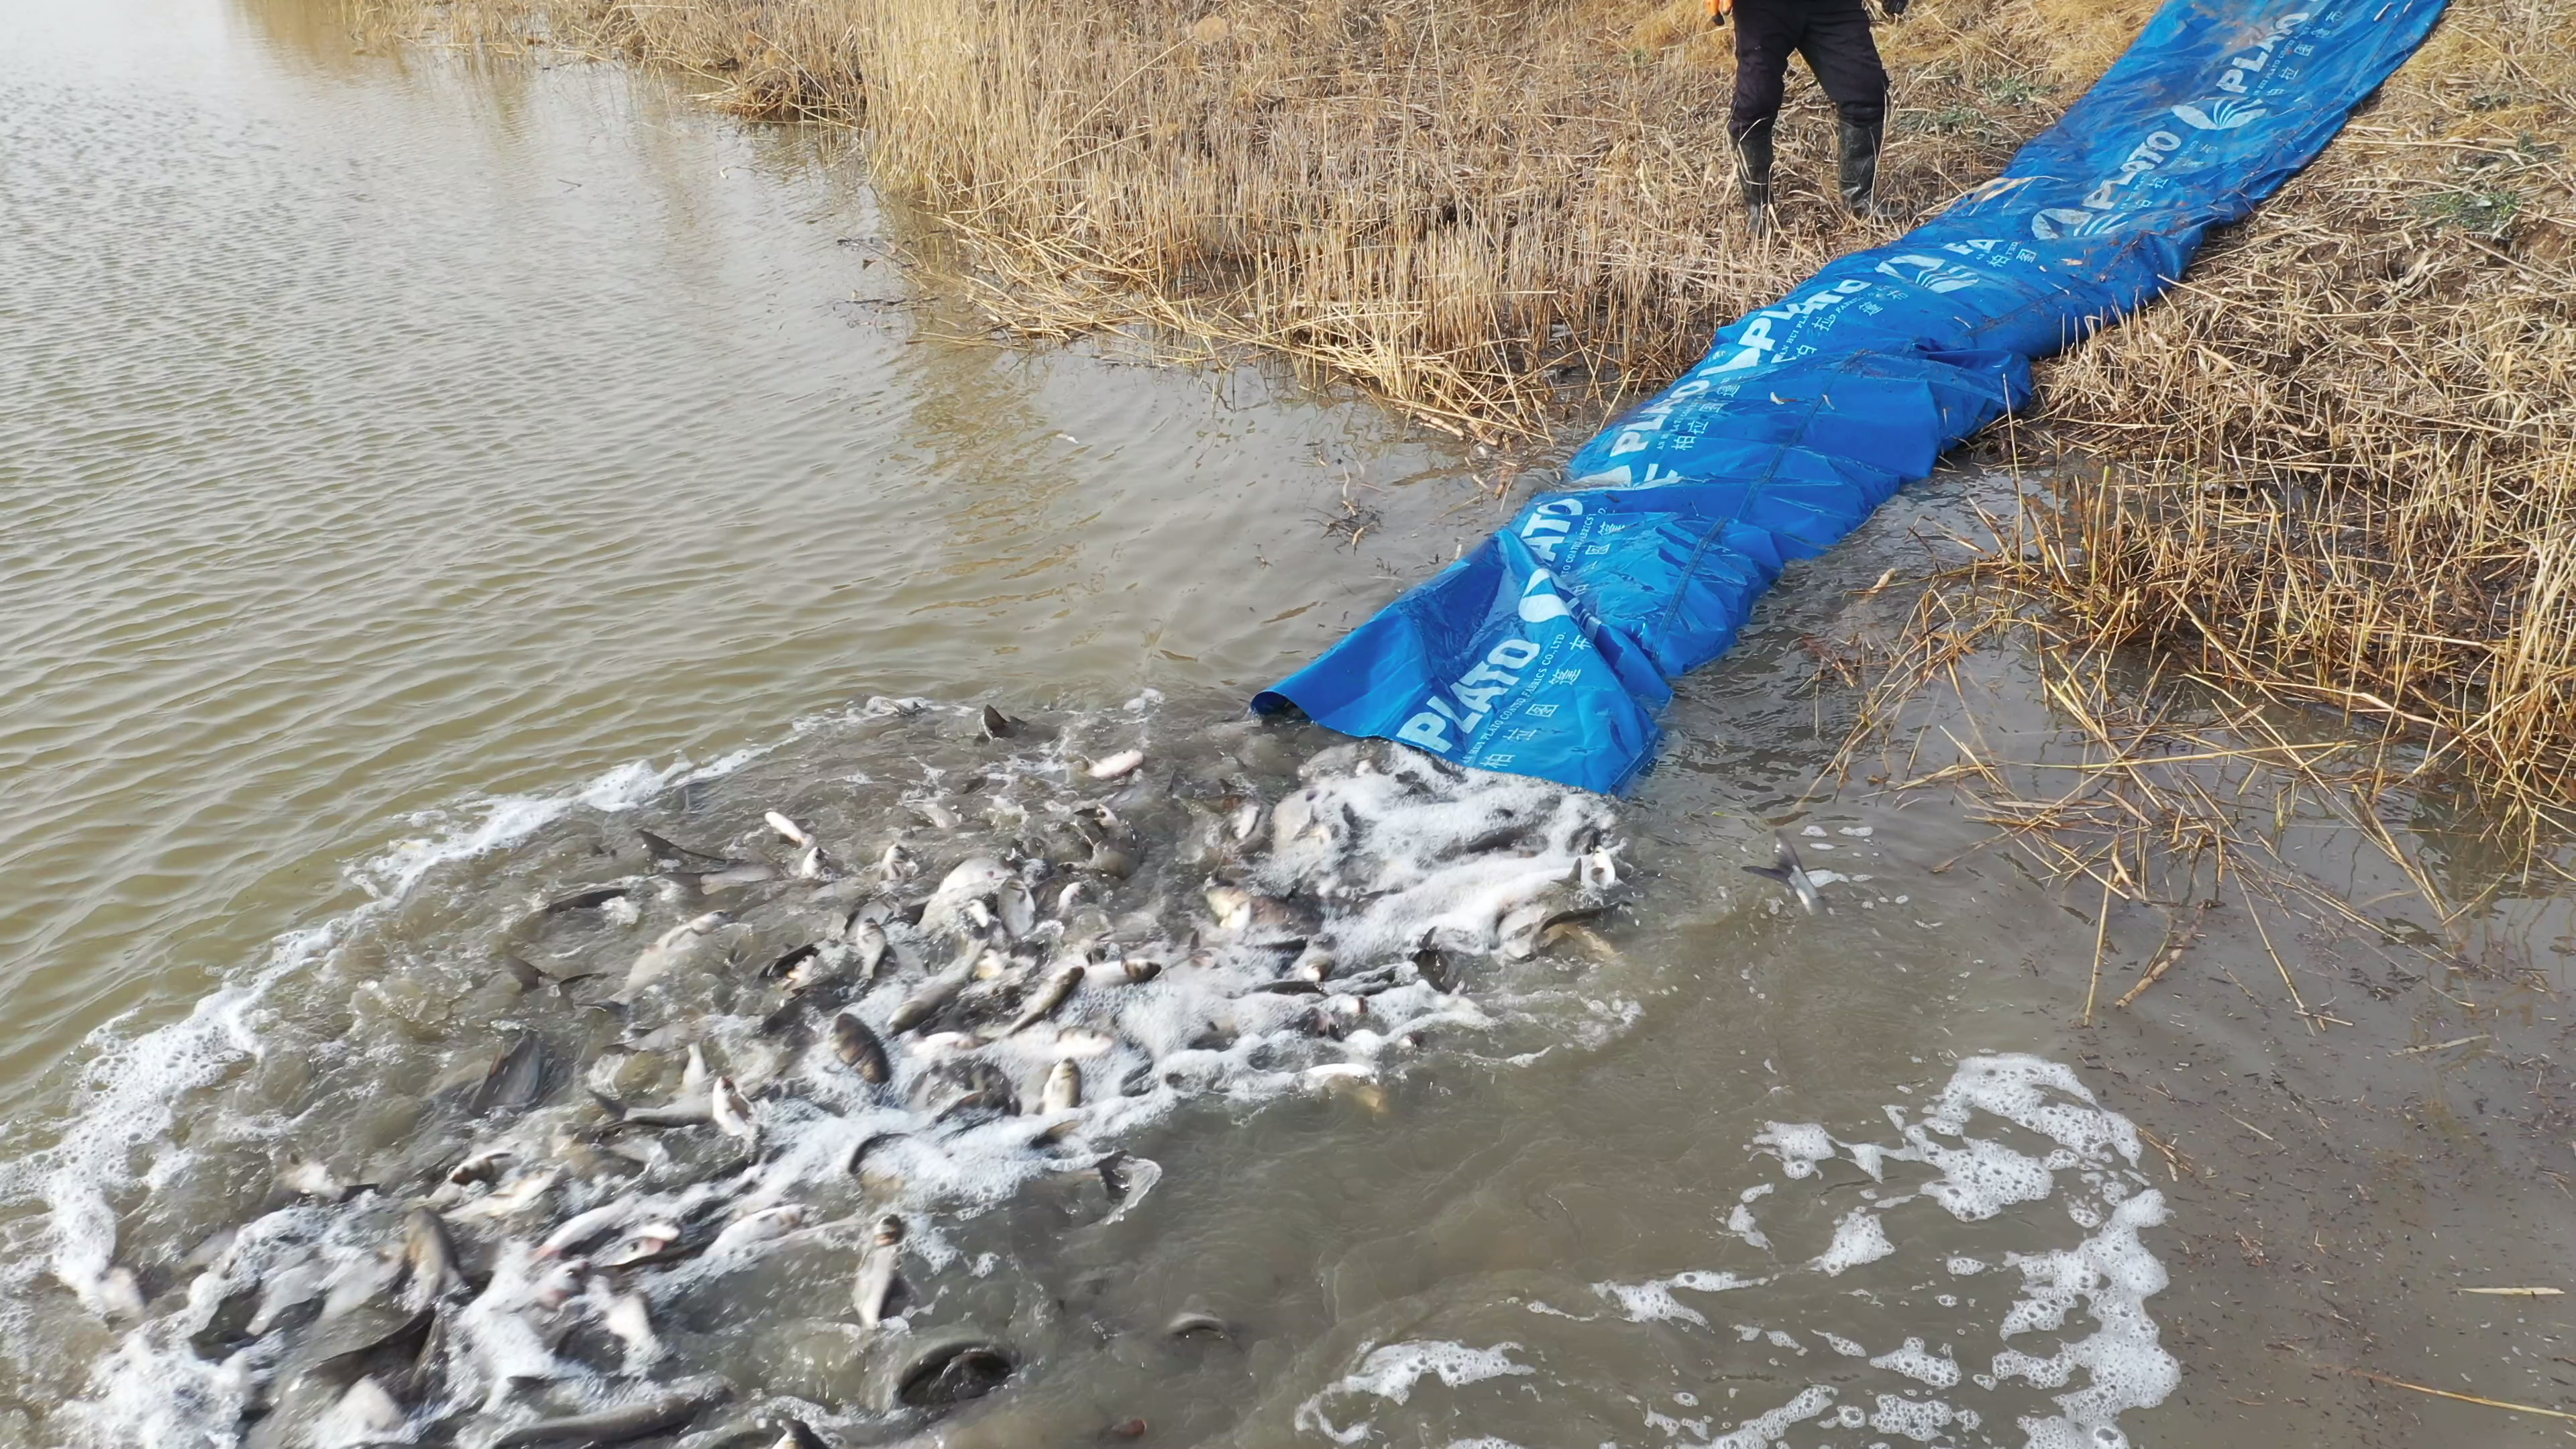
1550	650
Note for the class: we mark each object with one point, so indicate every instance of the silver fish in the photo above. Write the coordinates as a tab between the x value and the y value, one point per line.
1244	820
581	1227
484	1164
1017	908
510	1200
868	938
631	1320
879	1283
933	995
1791	872
430	1253
689	1109
641	1244
1050	996
1063	1090
664	955
794	833
731	1110
897	864
767	1225
1117	766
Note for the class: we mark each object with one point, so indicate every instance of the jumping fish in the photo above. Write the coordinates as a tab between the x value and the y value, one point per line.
794	833
510	1200
859	1049
1063	1090
868	938
589	900
689	1109
731	1110
430	1254
897	864
879	1285
582	1227
1789	871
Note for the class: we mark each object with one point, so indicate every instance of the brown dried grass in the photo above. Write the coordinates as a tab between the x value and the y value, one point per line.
2340	464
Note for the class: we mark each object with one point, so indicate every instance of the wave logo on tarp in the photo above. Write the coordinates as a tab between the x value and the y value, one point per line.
2227	112
2223	116
1930	273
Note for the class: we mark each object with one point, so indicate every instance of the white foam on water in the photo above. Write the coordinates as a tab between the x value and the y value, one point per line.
2049	1362
130	1091
1859	1238
1764	1429
1393	1371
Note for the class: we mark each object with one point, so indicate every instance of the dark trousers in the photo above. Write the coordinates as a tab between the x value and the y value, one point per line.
1834	37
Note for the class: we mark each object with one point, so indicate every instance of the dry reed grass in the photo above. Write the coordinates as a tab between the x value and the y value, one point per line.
2340	464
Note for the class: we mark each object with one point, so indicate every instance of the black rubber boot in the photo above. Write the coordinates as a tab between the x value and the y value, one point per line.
1861	145
1753	173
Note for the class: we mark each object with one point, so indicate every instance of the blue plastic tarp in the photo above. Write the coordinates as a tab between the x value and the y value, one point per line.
1550	650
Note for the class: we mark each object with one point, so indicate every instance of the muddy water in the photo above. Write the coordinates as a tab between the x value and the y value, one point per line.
419	475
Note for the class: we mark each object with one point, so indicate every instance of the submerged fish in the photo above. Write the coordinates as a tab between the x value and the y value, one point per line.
665	853
665	954
519	1078
656	1415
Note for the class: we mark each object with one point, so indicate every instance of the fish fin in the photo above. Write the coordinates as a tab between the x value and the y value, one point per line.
615	1109
1779	873
665	850
528	977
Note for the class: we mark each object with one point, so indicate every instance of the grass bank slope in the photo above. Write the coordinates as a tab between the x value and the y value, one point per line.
2340	462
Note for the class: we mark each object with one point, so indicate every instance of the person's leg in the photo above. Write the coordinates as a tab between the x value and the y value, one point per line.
1839	50
1765	32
